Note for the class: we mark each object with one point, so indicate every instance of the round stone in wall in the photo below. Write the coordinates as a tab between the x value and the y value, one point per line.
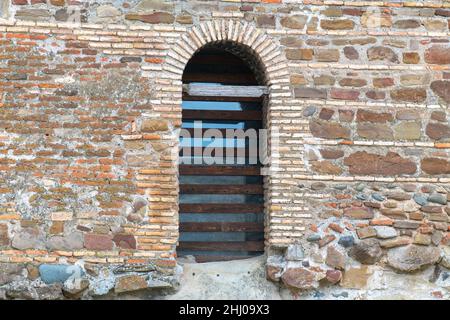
412	257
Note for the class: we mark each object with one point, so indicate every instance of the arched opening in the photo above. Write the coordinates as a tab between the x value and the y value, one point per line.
221	209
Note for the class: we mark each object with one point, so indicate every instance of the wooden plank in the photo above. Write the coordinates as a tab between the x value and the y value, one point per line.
221	189
221	227
213	258
221	208
224	133
223	78
221	246
217	57
222	115
193	170
195	89
224	152
187	97
224	149
238	70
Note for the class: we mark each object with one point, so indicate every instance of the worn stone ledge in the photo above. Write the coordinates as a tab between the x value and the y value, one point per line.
168	31
408	4
377	143
358	33
444	181
367	66
362	104
16	256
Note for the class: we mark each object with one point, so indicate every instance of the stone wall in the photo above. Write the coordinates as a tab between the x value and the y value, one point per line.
90	100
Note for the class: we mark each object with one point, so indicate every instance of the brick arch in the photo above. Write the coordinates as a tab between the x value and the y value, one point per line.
245	34
271	59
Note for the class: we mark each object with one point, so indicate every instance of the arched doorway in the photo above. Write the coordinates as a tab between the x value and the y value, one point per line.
221	209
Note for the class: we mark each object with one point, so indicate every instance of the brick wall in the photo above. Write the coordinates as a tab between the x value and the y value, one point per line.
359	94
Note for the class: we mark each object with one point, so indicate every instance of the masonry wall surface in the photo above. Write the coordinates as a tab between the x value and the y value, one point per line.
90	111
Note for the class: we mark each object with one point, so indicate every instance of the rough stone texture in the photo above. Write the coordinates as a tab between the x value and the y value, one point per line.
411	58
328	130
375	131
294	22
266	21
411	258
154	125
273	273
9	273
335	258
366	232
4	237
239	280
377	117
383	82
125	241
438	55
407	24
367	251
356	278
310	93
446	257
157	17
326	167
442	89
341	94
29	238
358	213
370	20
351	53
295	252
4	9
299	279
384	232
299	54
382	53
337	24
73	241
98	241
409	95
346	241
76	292
130	283
331	153
408	131
438	131
327	55
58	273
435	166
390	164
333	276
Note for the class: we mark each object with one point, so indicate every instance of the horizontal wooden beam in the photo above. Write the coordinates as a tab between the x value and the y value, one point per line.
215	57
194	89
221	189
200	258
220	115
221	227
193	170
224	149
221	246
187	97
223	131
221	208
219	77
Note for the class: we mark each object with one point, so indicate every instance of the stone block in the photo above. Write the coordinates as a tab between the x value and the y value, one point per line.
59	273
